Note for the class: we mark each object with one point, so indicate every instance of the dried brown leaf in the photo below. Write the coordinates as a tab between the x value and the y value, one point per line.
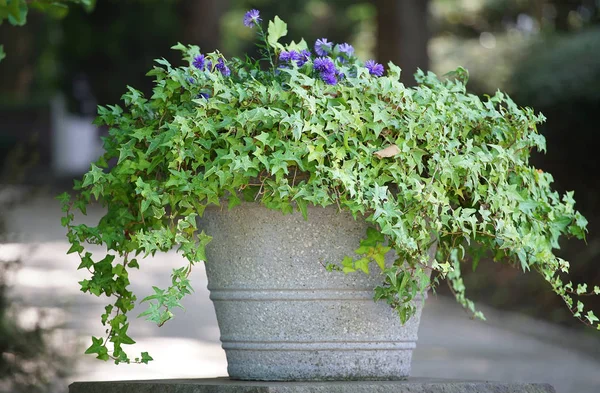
389	151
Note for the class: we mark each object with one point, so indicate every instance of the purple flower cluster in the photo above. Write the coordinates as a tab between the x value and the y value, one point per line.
323	65
252	18
327	71
323	47
300	58
201	64
374	68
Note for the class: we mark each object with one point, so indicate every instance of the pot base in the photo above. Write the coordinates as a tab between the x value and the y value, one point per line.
333	365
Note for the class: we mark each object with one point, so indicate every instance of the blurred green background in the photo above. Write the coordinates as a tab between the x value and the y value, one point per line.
544	53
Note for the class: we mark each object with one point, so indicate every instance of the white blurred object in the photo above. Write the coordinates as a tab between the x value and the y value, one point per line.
527	25
75	140
487	40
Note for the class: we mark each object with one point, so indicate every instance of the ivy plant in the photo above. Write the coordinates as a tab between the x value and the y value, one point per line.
316	126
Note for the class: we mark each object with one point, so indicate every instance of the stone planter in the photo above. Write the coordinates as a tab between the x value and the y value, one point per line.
282	316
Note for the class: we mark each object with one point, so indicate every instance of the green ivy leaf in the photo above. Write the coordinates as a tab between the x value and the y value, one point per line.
380	260
86	261
348	265
277	29
54	9
591	317
17	12
98	348
146	358
302	206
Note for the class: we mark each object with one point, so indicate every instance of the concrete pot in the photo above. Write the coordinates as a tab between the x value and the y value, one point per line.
282	316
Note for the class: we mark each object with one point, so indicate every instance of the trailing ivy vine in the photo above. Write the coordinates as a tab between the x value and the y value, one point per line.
422	164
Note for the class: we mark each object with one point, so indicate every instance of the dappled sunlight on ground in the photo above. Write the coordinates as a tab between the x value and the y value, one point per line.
174	358
507	347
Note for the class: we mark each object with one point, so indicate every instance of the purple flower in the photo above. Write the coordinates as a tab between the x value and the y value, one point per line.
252	18
223	68
329	78
323	47
326	69
374	68
191	80
324	65
198	62
346	49
304	56
203	95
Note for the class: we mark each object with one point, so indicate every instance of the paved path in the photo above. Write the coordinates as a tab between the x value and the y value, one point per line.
507	347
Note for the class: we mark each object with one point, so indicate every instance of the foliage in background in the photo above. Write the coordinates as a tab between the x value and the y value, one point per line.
561	76
15	11
470	18
422	165
561	71
492	37
120	54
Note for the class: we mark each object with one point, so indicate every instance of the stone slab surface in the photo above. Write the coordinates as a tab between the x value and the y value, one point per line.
224	385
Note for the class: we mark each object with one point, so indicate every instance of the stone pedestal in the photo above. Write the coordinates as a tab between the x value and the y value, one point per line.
225	385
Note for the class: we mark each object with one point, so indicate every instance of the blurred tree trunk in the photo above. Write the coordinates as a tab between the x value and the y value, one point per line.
538	11
402	35
17	70
562	15
202	22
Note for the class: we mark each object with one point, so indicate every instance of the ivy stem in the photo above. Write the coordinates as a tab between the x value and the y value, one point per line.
267	47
